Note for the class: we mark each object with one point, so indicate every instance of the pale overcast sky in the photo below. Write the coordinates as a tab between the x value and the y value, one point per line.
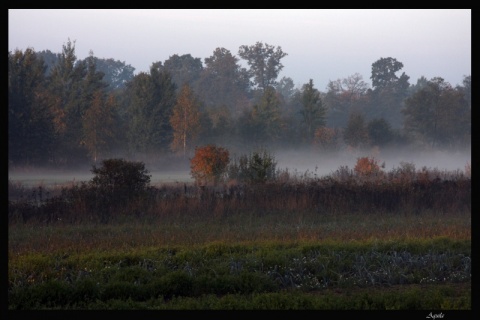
322	44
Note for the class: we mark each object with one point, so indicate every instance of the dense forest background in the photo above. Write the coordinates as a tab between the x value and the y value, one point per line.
67	112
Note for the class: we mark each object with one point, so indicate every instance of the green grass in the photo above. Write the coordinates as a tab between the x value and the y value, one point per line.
256	275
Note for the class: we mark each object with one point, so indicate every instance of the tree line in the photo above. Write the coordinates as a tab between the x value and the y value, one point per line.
67	111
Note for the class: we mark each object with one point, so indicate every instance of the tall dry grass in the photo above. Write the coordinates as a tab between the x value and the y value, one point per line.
401	204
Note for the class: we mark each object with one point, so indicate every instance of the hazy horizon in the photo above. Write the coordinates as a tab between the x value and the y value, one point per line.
322	44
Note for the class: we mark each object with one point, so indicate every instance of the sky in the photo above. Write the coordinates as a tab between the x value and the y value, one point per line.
321	44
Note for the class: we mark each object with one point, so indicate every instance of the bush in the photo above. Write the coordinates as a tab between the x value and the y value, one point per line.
367	166
209	164
116	183
257	167
120	175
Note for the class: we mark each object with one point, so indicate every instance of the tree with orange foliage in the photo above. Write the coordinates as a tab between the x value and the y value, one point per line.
367	166
209	164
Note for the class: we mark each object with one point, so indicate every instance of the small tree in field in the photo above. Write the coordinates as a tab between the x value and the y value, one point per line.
256	168
209	164
367	166
117	184
120	177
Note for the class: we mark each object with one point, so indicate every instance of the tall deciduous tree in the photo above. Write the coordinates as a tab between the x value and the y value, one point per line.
165	97
466	88
265	117
356	132
264	61
139	107
185	120
30	126
286	88
389	91
379	132
327	138
223	82
439	115
184	69
151	98
93	93
116	73
217	125
313	111
344	96
67	88
99	124
383	72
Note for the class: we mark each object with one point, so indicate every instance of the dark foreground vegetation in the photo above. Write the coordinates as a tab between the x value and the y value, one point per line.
357	239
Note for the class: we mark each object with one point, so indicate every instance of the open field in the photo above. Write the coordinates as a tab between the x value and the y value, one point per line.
252	262
397	242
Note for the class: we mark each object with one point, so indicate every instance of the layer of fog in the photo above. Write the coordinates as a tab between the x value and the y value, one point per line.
323	164
310	162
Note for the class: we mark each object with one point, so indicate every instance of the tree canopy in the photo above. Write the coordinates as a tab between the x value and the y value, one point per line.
264	61
65	111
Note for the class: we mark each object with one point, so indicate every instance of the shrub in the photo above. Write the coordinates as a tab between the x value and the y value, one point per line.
367	166
116	183
209	164
405	173
257	167
120	175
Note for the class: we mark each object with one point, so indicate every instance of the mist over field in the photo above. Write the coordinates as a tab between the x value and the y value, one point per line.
324	164
314	163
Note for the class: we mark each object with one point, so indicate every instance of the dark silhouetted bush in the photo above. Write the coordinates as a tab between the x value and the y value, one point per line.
118	182
119	175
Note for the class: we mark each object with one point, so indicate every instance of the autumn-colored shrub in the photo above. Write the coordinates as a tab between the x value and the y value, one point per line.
367	166
209	164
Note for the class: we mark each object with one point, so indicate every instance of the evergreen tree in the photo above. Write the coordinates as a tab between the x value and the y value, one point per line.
313	111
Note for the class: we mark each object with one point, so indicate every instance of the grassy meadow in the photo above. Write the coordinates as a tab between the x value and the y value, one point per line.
396	241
